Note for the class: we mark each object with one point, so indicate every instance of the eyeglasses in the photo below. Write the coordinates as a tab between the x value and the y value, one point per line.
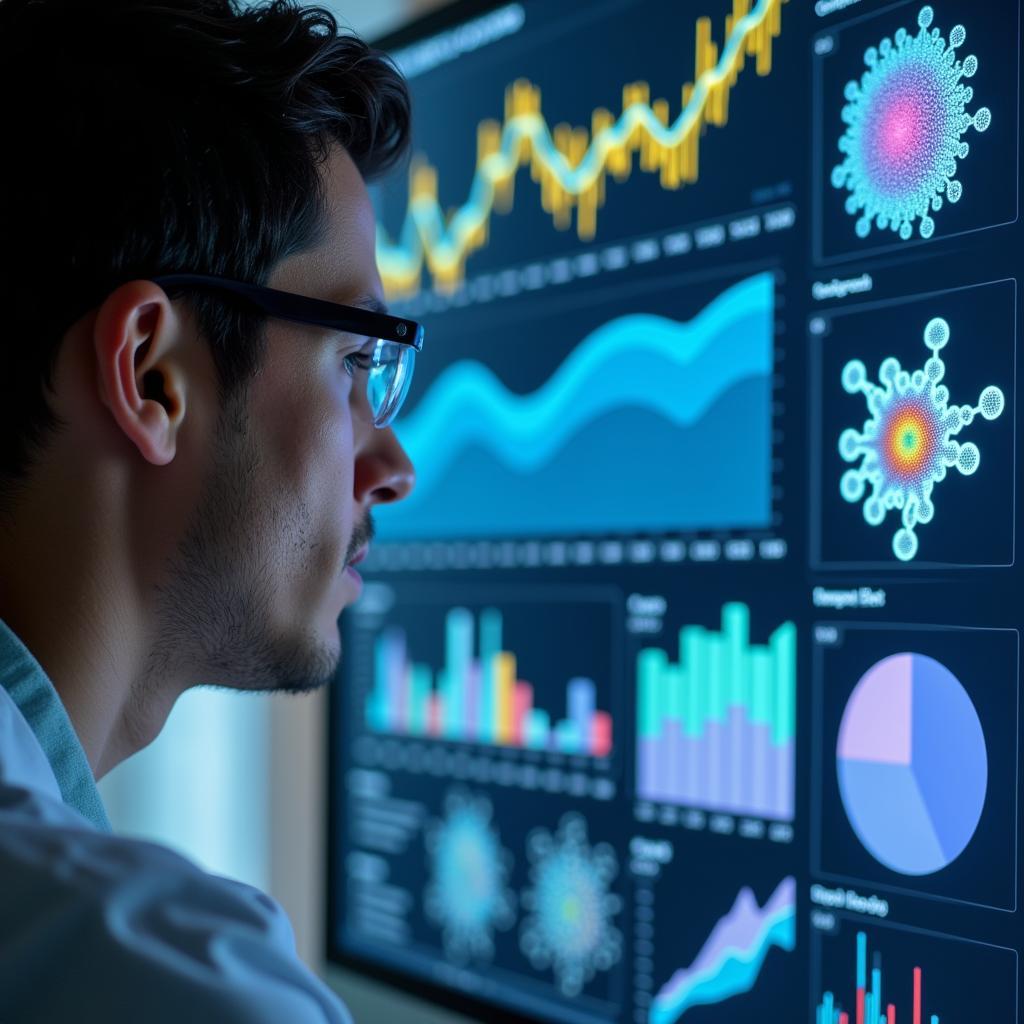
395	341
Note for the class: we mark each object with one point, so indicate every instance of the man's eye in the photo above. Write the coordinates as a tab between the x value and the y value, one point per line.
357	361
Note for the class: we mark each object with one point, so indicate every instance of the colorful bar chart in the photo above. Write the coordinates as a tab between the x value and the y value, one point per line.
478	698
716	729
870	1007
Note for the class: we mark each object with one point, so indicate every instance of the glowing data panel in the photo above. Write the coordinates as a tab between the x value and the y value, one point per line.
914	112
643	388
877	974
572	164
478	699
712	945
485	676
444	873
730	961
716	730
916	725
916	449
907	446
906	119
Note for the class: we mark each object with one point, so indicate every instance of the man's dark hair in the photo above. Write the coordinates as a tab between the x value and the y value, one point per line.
142	137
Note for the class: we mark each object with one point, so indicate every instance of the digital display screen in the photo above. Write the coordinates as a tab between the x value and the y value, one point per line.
684	686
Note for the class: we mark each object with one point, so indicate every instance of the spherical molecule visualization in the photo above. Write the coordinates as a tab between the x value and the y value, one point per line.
904	121
907	444
468	896
569	929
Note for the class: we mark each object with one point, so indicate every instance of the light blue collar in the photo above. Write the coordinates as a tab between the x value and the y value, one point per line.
37	700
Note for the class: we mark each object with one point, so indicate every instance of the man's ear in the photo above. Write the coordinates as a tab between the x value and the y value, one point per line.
140	367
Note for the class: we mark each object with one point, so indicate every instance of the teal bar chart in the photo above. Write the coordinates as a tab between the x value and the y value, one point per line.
716	729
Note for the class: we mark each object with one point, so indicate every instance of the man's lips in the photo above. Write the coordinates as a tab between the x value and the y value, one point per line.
359	556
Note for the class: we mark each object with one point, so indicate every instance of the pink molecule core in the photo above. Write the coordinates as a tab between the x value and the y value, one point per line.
902	132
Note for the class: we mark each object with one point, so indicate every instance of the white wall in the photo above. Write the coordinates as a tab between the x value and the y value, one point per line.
201	787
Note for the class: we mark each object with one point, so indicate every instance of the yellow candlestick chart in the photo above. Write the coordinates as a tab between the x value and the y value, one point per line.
571	164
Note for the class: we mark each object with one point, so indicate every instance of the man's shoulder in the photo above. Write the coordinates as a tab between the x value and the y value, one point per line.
99	925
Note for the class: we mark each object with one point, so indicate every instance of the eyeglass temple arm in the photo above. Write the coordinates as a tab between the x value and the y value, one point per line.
304	309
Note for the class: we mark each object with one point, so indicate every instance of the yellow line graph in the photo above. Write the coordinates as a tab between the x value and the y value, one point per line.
571	164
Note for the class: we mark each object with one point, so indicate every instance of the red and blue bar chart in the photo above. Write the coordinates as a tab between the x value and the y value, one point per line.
884	973
870	1007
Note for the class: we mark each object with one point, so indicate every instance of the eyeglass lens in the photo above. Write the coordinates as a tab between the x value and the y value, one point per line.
388	380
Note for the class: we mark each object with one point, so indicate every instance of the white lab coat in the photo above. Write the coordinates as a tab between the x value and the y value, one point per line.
94	927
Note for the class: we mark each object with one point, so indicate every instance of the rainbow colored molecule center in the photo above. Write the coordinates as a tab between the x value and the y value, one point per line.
905	118
907	444
909	433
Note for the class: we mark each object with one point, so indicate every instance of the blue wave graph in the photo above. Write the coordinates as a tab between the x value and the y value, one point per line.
649	424
731	959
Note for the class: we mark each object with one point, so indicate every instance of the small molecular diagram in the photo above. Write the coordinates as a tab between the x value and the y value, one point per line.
905	120
569	929
907	444
468	897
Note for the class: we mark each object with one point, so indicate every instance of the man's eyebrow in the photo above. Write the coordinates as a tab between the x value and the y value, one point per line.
371	302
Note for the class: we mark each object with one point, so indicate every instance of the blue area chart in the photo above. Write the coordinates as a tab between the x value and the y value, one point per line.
731	959
913	767
677	411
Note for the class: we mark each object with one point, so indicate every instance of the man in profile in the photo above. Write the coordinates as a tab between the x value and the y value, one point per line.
190	451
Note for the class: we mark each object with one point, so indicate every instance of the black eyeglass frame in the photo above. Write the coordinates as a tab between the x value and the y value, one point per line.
306	310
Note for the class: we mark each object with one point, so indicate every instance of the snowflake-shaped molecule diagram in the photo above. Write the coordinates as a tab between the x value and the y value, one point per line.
468	896
907	443
569	929
904	121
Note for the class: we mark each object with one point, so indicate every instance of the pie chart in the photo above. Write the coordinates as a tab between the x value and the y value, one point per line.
912	764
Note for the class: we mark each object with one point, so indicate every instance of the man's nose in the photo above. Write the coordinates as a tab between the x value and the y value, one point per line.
383	471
